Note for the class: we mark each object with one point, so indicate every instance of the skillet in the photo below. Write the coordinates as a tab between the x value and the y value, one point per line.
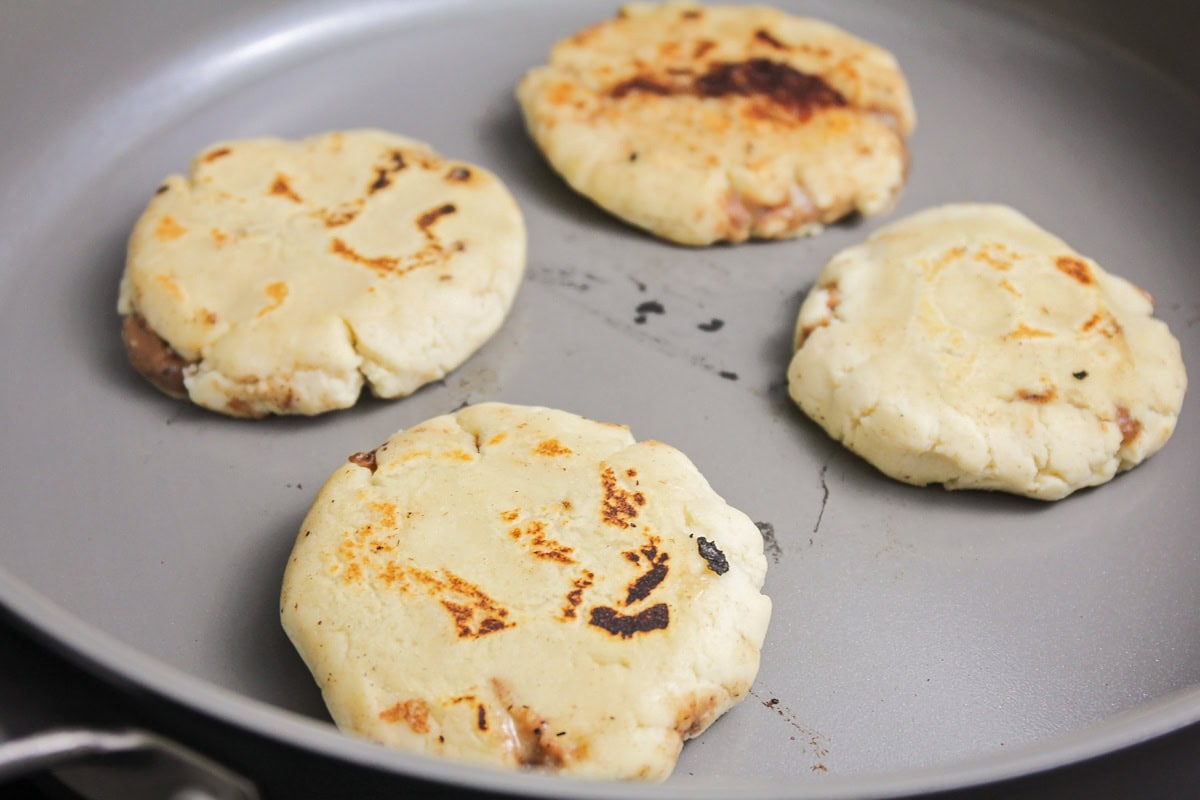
921	640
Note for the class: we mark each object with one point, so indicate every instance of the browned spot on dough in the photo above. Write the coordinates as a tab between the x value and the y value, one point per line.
695	715
459	174
510	515
219	236
533	536
944	260
240	408
481	717
656	617
1075	268
282	188
475	614
765	37
391	163
833	296
639	84
278	292
1039	398
498	438
641	588
994	255
340	215
366	460
1130	427
807	331
1103	323
381	264
702	48
426	220
168	229
631	472
798	92
168	282
213	155
691	13
575	596
795	93
531	737
414	712
152	357
551	447
1023	331
386	512
618	506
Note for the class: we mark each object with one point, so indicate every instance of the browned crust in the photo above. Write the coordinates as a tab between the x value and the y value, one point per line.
153	357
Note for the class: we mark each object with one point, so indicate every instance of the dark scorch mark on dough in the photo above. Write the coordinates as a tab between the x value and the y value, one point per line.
1079	375
712	554
648	307
393	163
654	618
640	84
765	37
798	93
641	588
713	326
727	375
770	544
647	583
427	219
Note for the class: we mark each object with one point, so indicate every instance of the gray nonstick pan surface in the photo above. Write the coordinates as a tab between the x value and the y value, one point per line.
920	639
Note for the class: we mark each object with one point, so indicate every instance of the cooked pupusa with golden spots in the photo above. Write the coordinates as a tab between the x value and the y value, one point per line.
722	123
279	276
966	346
523	587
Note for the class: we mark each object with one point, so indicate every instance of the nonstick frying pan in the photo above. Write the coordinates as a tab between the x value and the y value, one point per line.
921	640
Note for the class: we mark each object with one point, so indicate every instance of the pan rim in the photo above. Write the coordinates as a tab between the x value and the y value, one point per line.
100	652
103	655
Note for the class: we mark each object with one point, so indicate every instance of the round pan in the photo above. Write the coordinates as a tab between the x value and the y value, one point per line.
921	640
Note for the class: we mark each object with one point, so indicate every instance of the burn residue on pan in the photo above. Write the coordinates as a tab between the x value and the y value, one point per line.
816	743
770	544
647	308
824	499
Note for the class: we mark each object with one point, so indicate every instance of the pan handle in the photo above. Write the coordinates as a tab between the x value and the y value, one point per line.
179	773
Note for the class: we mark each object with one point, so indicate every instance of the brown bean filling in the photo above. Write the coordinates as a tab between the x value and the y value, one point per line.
152	357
